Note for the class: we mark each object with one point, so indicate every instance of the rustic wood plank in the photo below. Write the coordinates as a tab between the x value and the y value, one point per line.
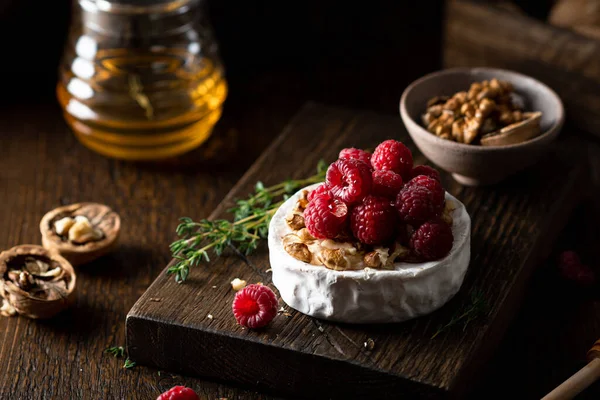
514	224
41	167
487	35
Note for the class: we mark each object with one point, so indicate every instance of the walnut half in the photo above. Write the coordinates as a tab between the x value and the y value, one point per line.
35	282
295	220
294	246
81	232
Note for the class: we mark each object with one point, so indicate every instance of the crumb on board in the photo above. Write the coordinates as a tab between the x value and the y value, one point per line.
210	316
284	313
238	284
155	299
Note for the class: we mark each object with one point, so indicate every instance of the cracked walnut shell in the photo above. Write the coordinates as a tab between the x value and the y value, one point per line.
81	232
36	282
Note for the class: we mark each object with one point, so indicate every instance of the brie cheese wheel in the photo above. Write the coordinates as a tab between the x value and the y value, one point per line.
368	295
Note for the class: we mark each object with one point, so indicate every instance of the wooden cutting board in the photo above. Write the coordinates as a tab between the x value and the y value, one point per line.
514	226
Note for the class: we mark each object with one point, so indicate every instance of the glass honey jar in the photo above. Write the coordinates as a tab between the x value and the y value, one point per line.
141	79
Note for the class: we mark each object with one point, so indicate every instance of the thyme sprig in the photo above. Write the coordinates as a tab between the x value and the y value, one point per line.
119	352
476	308
250	224
129	364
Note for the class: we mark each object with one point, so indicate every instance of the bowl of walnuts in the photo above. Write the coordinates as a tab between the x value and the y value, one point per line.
481	124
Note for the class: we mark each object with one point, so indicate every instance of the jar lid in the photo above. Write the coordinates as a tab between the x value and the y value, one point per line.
106	5
138	2
135	18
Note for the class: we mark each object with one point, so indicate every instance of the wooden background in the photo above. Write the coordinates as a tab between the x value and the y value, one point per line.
42	166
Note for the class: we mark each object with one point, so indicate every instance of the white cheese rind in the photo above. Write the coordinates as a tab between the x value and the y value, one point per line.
369	295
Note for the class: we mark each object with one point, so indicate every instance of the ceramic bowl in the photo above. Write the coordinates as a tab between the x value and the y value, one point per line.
473	164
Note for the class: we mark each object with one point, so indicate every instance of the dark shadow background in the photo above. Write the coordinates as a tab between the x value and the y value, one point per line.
360	54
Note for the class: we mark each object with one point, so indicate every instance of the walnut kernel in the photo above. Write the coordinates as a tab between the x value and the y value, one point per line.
7	310
447	213
294	246
63	225
333	259
238	284
304	235
82	231
372	260
487	107
295	221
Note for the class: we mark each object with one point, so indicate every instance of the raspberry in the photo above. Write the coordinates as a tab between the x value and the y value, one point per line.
393	155
254	306
571	268
417	204
582	275
325	217
432	241
179	393
386	183
435	187
319	191
427	171
373	221
356	154
349	180
568	258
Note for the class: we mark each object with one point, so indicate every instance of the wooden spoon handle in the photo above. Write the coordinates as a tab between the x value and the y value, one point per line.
594	352
582	379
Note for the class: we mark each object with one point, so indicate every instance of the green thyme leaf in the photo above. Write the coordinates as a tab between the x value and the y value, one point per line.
250	224
116	351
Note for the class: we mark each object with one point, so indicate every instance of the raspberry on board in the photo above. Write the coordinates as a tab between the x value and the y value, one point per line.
319	191
352	153
254	306
417	204
571	268
349	180
394	156
374	220
427	171
434	186
179	393
432	240
324	217
386	184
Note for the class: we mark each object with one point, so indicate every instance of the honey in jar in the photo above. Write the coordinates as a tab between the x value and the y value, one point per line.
141	80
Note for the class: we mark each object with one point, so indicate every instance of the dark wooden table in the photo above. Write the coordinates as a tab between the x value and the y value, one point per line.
42	166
